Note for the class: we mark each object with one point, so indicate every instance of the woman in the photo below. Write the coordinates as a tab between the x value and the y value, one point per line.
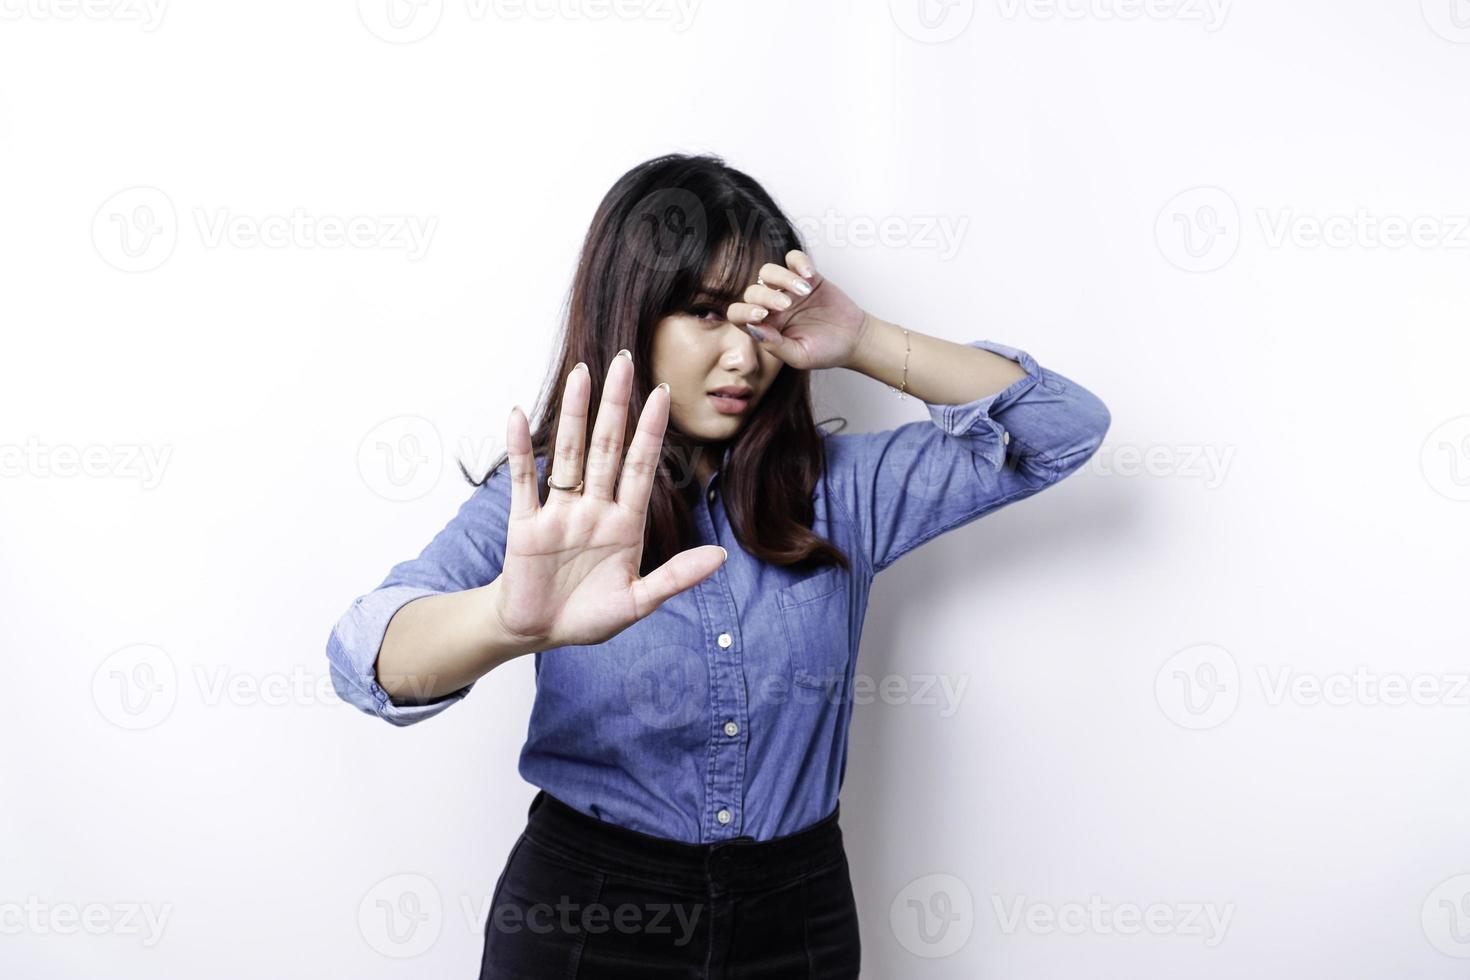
692	582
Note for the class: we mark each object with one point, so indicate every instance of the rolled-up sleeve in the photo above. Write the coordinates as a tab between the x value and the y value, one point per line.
909	484
466	554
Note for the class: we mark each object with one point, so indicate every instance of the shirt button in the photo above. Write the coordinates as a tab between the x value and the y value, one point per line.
711	495
724	640
732	729
723	816
1005	438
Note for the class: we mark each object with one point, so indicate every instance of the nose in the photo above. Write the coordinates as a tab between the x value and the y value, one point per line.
742	351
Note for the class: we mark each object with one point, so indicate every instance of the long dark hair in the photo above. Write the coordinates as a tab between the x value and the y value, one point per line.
662	228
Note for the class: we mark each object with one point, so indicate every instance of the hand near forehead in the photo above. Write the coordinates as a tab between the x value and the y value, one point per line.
800	315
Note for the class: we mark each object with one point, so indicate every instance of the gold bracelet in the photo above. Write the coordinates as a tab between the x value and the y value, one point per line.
904	383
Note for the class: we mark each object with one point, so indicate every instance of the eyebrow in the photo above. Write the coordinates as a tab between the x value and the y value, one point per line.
713	294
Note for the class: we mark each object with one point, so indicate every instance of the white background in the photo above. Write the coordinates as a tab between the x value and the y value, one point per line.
1136	199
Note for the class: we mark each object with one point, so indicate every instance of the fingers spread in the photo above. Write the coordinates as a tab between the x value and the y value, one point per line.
524	501
605	455
641	463
567	462
683	571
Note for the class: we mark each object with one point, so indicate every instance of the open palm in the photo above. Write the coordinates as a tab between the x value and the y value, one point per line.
571	569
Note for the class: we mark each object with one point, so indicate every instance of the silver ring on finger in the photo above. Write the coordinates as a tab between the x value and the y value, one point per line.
557	486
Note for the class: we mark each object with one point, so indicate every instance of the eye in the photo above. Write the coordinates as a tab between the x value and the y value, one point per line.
700	312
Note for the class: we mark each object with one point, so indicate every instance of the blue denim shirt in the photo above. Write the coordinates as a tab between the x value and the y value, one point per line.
725	712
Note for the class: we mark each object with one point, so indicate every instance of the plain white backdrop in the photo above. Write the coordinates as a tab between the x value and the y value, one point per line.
269	269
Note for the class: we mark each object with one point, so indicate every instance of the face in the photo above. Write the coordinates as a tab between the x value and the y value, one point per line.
698	352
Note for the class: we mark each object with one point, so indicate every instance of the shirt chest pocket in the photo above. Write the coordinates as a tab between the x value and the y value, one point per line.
814	615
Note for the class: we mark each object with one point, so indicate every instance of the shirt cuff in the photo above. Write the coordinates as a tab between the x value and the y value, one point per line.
353	650
972	420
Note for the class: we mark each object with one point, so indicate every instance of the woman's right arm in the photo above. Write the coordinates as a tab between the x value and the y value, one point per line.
439	644
415	644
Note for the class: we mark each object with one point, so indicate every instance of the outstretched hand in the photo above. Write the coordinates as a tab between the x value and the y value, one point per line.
571	569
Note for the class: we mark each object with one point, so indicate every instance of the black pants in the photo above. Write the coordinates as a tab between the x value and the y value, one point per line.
584	898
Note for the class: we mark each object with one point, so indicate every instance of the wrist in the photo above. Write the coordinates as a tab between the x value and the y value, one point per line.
504	640
879	351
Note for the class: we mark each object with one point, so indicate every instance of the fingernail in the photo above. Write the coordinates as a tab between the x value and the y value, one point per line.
801	287
755	332
783	301
727	554
581	366
664	385
808	271
759	313
625	353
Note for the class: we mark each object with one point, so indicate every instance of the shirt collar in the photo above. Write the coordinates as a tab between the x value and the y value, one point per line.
724	462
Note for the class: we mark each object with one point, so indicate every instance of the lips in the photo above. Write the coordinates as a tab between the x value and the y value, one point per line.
731	399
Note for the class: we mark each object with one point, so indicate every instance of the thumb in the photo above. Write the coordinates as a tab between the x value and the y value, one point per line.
683	571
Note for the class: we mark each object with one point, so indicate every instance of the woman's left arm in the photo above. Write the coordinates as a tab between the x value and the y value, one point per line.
1001	426
1010	440
940	372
